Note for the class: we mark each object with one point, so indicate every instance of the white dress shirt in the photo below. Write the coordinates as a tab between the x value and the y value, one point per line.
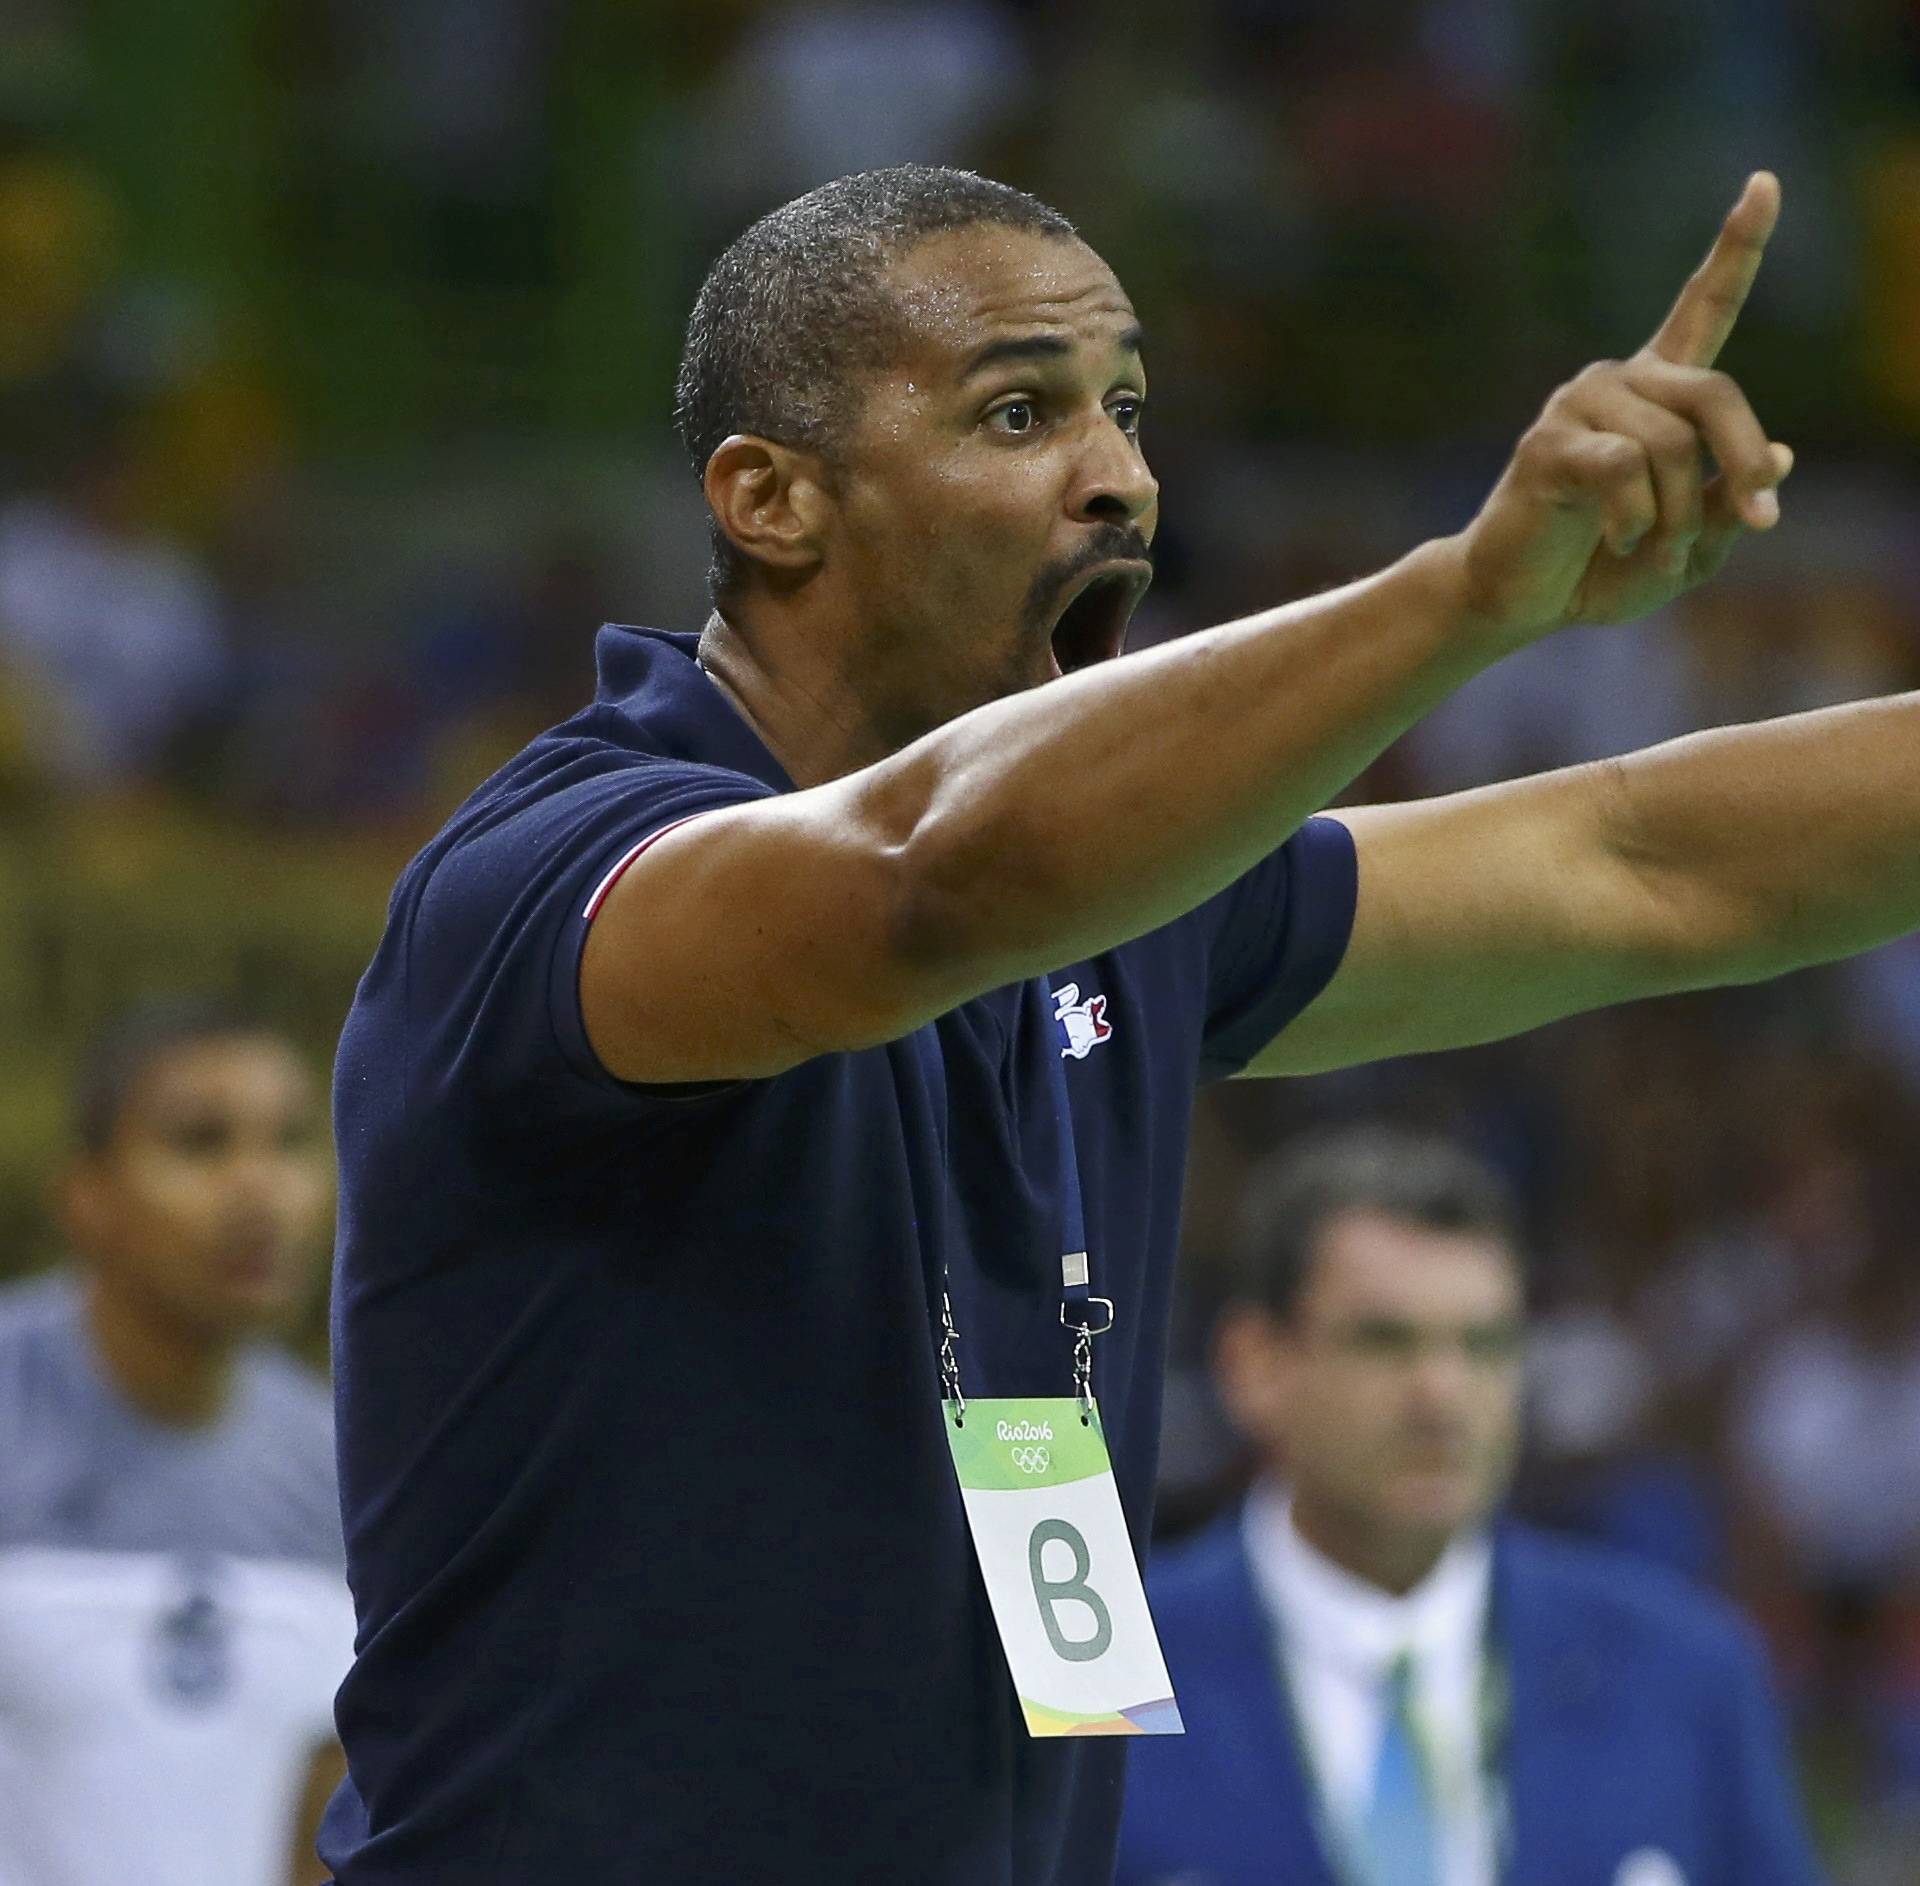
1337	1638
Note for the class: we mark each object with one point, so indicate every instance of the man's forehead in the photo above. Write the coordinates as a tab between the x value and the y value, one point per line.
1368	1259
222	1065
964	289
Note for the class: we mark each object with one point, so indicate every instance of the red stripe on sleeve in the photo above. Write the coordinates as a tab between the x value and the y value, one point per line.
614	876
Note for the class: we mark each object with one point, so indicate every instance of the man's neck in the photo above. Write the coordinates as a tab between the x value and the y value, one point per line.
1391	1561
809	715
169	1371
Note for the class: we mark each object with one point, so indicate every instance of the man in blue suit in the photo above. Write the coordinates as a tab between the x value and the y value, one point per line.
1382	1685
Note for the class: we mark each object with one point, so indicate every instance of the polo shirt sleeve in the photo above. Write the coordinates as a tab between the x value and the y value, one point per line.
501	920
1273	939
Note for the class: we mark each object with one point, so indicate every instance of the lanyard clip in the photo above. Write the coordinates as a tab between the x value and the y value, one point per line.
1089	1327
1086	1323
1074	1276
949	1363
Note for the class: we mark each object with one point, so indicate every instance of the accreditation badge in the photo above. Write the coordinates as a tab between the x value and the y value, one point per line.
1060	1572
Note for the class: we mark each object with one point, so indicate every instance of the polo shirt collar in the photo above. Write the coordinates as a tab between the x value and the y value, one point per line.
653	677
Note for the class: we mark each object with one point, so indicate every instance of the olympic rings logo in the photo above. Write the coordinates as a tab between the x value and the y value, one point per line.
1032	1459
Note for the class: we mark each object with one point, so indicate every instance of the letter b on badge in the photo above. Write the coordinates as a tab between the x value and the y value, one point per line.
1050	1592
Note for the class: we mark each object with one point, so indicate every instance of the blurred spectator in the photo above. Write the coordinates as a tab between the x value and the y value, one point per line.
1605	692
444	102
58	234
1378	1683
832	86
1596	1463
111	629
173	1612
1826	1436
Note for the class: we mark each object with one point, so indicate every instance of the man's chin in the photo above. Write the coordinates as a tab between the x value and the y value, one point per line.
244	1312
1022	675
1438	1502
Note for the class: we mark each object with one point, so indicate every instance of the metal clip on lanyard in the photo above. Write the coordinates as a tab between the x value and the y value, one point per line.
1086	1315
949	1364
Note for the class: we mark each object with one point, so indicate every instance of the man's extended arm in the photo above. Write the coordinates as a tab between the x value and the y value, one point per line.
1031	832
1723	857
1044	828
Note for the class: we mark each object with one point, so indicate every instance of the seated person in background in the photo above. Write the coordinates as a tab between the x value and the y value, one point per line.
173	1612
1381	1685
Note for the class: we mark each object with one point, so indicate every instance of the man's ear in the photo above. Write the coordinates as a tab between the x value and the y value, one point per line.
772	501
1252	1372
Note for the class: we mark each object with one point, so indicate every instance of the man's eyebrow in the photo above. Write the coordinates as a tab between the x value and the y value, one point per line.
1040	347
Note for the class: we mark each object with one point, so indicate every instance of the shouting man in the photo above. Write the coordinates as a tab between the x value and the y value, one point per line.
801	1040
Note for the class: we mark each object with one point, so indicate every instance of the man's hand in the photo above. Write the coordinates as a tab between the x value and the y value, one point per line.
1606	510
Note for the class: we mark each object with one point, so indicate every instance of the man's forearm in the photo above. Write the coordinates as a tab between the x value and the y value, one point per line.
1788	842
1049	826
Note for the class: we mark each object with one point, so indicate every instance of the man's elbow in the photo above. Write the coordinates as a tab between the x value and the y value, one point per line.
965	894
1704	935
1693	915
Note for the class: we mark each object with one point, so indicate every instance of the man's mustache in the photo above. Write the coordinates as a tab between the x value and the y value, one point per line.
1107	543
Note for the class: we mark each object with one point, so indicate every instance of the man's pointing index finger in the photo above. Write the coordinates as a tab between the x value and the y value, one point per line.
1697	325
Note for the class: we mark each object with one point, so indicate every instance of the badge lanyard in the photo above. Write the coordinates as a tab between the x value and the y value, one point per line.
1081	1311
1043	1507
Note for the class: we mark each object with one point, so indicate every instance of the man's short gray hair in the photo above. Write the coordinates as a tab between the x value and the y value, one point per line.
796	308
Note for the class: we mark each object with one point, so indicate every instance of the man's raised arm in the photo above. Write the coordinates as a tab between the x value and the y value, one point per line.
1047	827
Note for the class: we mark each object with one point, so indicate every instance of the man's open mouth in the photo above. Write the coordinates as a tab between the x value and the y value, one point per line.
1092	624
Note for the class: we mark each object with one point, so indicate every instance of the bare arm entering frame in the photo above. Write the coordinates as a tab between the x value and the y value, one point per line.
1724	857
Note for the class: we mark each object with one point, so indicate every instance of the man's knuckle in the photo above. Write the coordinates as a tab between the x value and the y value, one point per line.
1726	400
1541	450
1618	458
1679	484
1677	446
1560	403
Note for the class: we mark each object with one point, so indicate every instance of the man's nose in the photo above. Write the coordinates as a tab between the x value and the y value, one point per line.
1441	1374
258	1175
1112	484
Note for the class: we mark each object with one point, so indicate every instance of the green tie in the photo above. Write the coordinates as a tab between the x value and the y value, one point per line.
1399	1841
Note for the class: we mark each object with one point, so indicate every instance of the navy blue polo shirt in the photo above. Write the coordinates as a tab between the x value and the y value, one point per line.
661	1568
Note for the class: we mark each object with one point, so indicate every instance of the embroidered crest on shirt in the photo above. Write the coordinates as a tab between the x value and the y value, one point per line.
1084	1024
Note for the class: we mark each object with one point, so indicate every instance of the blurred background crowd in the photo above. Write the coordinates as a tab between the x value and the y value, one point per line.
336	347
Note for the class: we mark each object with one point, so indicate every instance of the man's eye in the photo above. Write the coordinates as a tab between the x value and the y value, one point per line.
1383	1341
1126	415
1016	416
1493	1344
197	1139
